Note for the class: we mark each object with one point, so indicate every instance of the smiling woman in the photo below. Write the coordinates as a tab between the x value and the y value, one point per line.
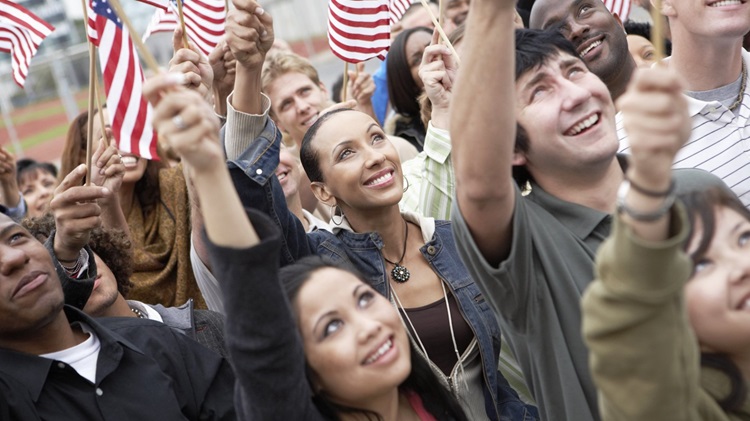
410	259
152	206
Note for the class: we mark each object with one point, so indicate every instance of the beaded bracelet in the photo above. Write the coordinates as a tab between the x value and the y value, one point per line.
622	192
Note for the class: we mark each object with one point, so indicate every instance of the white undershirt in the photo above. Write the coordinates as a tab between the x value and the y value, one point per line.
82	357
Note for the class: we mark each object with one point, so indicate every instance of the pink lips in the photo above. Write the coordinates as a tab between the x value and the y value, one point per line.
379	174
29	283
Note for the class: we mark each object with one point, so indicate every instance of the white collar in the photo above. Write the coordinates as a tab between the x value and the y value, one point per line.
426	224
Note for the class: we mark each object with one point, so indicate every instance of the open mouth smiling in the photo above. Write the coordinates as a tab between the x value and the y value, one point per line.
583	125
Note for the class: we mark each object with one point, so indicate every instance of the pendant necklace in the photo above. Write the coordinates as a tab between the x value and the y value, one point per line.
399	273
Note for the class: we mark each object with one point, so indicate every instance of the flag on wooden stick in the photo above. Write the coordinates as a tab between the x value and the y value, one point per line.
162	21
359	30
204	20
129	112
397	9
21	33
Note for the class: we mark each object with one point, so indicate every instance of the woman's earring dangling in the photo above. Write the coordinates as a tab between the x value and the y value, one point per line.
336	211
407	184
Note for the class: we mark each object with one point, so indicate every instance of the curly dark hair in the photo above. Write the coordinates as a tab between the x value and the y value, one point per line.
111	245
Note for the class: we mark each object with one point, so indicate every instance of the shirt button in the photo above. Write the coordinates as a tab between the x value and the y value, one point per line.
99	392
431	250
259	171
60	365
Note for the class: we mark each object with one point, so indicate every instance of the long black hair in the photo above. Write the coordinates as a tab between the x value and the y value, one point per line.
402	89
421	380
701	207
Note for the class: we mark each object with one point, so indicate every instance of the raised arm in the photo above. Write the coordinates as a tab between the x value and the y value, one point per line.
199	74
108	172
77	211
251	140
634	319
10	196
260	331
483	126
431	172
198	145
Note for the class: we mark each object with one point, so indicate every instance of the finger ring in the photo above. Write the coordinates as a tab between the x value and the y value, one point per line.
179	122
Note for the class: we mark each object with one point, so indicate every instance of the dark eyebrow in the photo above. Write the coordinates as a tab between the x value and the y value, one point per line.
339	146
356	290
321	318
556	22
569	62
11	227
738	226
538	77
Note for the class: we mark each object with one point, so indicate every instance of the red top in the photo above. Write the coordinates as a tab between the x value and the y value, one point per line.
416	403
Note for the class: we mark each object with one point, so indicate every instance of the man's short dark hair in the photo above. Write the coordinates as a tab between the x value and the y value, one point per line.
534	48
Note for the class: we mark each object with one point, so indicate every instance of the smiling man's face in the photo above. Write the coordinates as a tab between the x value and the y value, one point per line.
597	34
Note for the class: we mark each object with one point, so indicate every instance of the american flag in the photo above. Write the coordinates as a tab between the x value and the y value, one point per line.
204	20
359	30
162	21
21	32
129	113
619	7
398	8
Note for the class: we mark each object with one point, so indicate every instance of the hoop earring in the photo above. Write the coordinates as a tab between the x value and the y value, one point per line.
334	214
407	184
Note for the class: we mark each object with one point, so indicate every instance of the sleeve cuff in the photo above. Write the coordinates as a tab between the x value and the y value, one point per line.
243	128
437	143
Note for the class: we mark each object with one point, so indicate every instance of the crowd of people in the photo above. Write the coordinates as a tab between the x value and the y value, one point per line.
553	226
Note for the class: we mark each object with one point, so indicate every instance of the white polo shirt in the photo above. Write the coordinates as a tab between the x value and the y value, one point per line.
719	143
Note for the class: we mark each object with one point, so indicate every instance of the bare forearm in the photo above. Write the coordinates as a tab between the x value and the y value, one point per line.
247	91
485	96
223	215
483	127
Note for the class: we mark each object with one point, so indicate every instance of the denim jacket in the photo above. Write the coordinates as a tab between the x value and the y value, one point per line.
252	174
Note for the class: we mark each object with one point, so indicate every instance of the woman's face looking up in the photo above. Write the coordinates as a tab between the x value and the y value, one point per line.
353	338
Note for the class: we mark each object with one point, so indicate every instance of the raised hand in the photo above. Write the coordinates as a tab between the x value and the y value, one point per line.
438	73
76	212
249	33
656	118
186	124
224	67
192	63
8	180
108	169
361	87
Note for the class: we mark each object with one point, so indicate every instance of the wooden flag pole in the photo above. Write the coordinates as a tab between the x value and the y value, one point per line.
346	81
657	30
441	32
441	9
182	24
103	123
144	52
92	101
92	95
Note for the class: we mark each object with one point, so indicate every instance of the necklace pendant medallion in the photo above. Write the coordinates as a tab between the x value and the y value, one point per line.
400	274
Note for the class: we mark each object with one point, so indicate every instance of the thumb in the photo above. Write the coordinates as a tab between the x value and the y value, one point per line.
177	39
74	178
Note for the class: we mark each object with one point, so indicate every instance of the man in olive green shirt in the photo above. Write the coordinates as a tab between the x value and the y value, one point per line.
532	256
